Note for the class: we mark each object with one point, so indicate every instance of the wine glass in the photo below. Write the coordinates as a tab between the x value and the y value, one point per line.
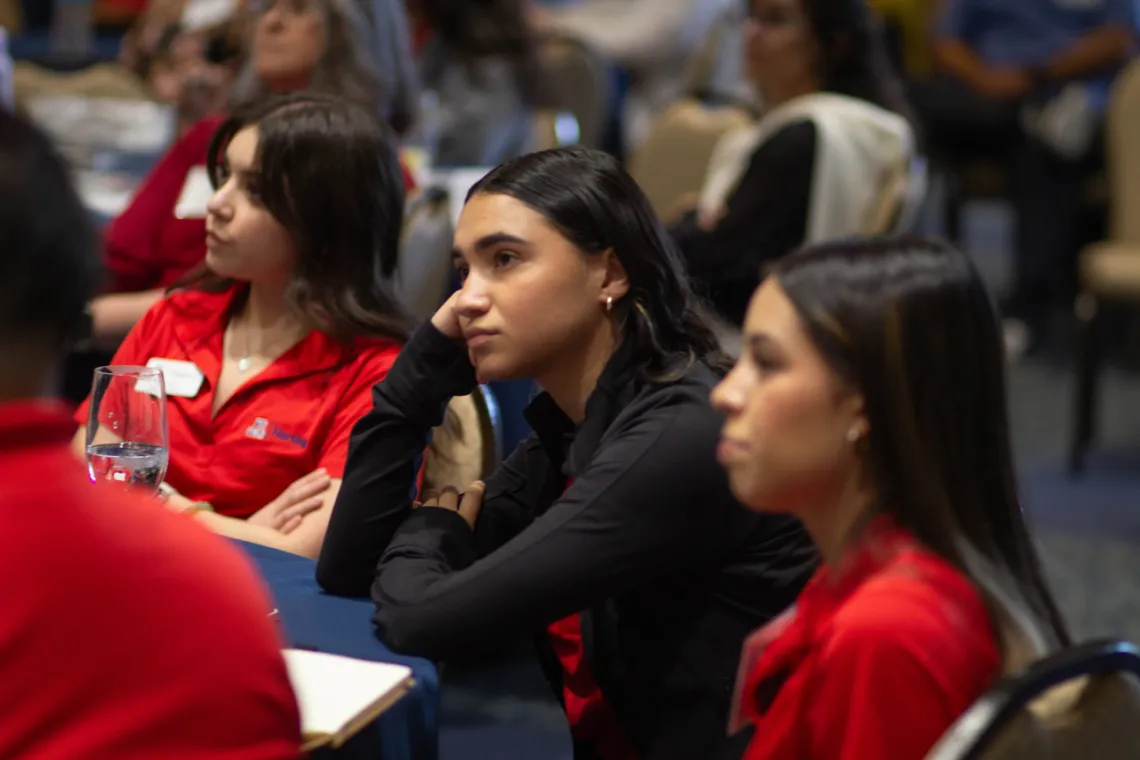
127	438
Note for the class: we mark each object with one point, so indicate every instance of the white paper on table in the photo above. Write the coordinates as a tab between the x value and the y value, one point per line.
339	696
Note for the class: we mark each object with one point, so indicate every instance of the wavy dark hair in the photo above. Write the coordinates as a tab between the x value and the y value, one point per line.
594	203
853	53
479	29
330	175
908	323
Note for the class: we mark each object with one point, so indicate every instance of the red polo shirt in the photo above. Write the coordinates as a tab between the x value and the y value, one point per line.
878	659
283	423
592	720
147	246
127	632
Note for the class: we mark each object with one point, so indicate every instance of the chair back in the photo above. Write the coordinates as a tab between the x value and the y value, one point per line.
1122	159
424	271
697	76
903	192
580	84
468	445
1081	703
673	158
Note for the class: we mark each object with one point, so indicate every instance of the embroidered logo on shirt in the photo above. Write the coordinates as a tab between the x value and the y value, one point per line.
258	428
263	428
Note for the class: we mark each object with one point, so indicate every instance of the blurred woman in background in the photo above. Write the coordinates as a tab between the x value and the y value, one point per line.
870	403
812	167
288	324
317	45
479	62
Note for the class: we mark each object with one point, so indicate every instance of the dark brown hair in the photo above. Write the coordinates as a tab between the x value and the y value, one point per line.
50	266
329	174
909	324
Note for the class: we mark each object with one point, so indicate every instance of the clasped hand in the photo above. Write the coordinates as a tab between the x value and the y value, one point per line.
466	504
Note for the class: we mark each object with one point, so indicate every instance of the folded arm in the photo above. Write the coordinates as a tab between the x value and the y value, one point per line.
643	509
384	459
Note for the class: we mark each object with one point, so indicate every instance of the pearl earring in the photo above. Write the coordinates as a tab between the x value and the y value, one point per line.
609	303
853	434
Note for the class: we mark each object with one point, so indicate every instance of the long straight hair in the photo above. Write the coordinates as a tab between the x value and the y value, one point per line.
909	324
330	176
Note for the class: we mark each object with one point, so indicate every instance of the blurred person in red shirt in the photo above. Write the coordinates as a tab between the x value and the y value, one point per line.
271	348
317	45
870	403
161	632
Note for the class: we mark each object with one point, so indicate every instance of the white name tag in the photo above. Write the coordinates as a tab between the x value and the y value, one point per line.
183	379
196	193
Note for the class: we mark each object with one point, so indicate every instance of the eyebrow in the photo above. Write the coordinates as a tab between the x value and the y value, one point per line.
760	340
490	241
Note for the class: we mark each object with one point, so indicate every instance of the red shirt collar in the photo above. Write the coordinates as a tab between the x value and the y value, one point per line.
202	317
34	422
771	653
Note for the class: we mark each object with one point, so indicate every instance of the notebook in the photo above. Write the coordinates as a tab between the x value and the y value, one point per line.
339	696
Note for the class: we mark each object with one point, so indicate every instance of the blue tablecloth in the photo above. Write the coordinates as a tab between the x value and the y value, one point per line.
313	619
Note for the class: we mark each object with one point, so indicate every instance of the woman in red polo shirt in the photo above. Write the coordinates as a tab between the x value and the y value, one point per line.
869	402
320	45
271	350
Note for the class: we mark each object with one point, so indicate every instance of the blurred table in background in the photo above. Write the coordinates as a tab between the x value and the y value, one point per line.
111	143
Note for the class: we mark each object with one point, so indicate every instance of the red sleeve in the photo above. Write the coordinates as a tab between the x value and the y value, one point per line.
132	246
892	676
355	402
136	348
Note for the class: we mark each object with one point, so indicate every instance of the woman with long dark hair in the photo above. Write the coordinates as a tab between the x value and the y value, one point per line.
609	533
276	341
870	403
324	46
835	127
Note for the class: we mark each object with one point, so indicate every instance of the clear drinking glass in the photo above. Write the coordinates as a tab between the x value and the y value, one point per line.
127	438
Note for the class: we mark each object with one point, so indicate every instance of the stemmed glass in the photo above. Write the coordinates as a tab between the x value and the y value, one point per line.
127	438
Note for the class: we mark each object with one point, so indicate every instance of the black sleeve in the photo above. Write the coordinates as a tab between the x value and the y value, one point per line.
651	503
384	457
765	217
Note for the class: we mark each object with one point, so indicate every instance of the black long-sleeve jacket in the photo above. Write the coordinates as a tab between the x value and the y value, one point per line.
668	570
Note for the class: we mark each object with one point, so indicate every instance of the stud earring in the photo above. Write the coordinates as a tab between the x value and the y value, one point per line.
853	434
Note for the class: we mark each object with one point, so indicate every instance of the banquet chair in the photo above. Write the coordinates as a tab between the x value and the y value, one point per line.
1109	271
468	445
673	158
424	271
1083	702
901	196
579	79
